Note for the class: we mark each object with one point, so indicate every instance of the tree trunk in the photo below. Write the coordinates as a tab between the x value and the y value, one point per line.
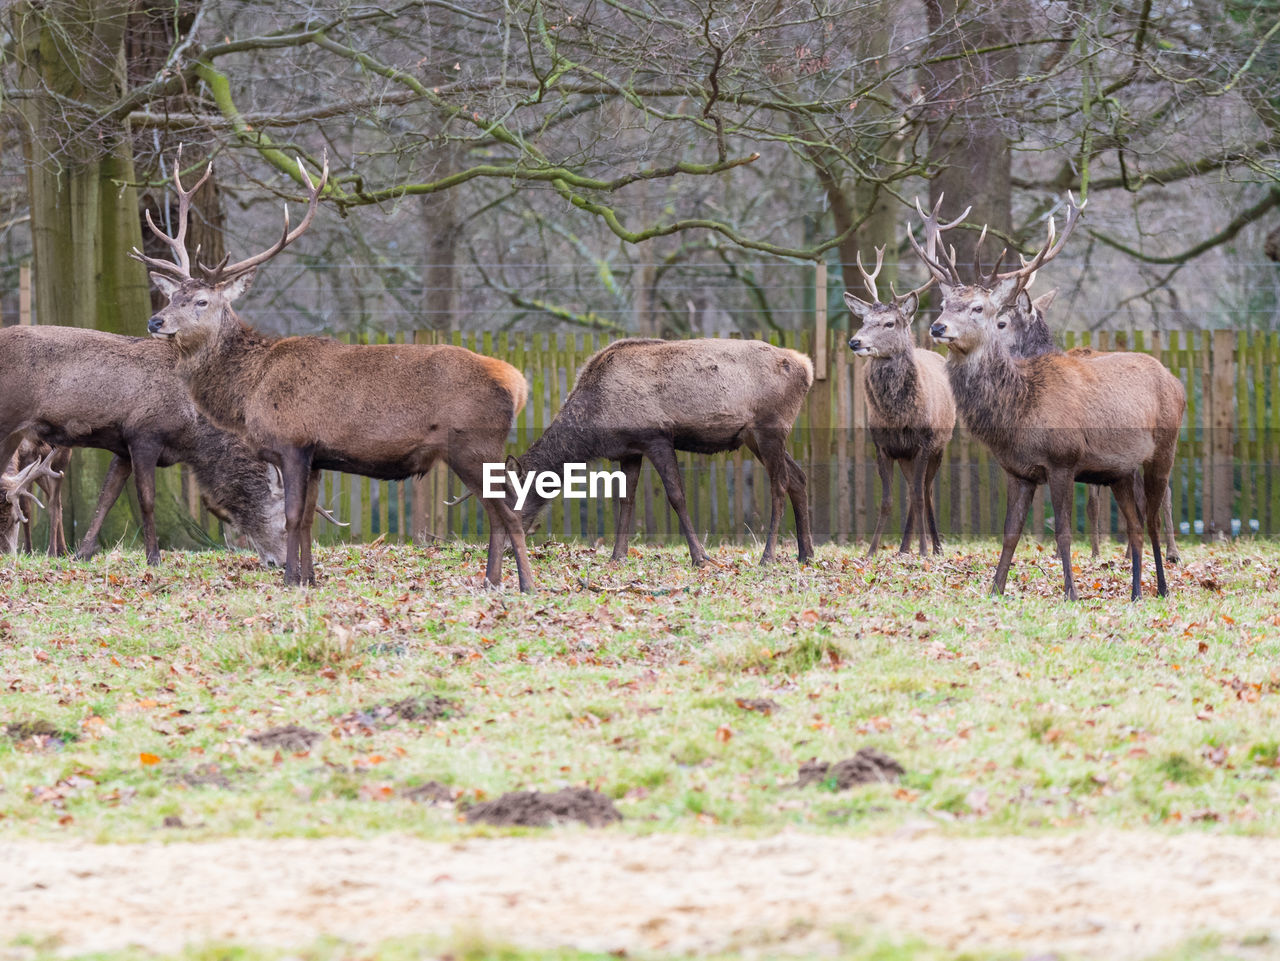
967	140
84	213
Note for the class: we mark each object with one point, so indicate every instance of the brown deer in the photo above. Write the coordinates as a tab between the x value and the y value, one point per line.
640	398
309	403
1028	335
910	410
15	488
1056	418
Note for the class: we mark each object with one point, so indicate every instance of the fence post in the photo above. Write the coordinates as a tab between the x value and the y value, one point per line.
1222	430
24	293
820	321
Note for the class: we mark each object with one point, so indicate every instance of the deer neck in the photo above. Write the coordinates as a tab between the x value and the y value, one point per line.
993	393
893	386
222	370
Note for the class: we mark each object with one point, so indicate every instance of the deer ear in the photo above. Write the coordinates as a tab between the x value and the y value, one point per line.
1006	291
910	304
859	308
237	286
1023	303
164	284
1042	302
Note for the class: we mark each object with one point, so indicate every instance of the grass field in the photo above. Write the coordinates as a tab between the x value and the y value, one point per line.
142	705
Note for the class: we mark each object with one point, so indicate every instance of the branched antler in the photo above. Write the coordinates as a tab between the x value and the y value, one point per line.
221	272
180	267
942	268
1027	272
869	279
18	486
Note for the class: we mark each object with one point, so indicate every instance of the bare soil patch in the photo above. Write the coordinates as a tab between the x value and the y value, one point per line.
867	766
290	737
538	810
1099	895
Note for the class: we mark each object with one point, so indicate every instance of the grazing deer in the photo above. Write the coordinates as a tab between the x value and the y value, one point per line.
1057	418
309	403
909	406
29	452
1028	335
73	387
15	487
641	398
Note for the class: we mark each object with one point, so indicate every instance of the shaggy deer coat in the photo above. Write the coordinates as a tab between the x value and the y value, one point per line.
910	412
1058	418
309	404
72	387
1028	335
641	398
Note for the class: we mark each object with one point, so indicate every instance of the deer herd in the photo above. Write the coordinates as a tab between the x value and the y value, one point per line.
257	417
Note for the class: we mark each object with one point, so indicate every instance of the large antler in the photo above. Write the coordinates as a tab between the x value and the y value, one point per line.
18	486
222	272
180	267
1027	272
942	268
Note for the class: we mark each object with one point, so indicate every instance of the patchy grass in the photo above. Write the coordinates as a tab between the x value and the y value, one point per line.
132	700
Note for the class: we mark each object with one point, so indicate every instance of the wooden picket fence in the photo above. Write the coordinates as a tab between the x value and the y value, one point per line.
1222	484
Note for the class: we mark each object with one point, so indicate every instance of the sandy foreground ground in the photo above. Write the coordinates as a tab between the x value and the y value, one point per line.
1101	895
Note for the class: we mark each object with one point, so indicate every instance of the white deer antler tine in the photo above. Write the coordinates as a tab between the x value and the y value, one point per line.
869	279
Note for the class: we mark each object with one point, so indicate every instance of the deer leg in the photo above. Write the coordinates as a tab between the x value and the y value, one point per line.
1155	480
1062	490
1018	502
909	522
144	479
295	468
626	509
798	491
935	462
663	457
769	447
918	495
112	485
308	519
499	516
1166	514
57	537
884	467
1093	516
1124	494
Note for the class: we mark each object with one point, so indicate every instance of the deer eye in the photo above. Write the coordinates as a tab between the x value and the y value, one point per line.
202	303
888	323
976	308
1002	325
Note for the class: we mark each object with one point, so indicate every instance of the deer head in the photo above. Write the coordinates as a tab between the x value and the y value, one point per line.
14	489
886	326
972	313
198	305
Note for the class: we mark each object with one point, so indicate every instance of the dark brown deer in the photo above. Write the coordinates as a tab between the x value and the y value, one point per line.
1028	335
910	410
650	398
310	403
1056	418
72	387
15	493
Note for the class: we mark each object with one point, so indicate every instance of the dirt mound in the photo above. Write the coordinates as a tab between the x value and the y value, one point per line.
206	775
761	705
422	708
433	792
868	766
537	810
41	734
290	737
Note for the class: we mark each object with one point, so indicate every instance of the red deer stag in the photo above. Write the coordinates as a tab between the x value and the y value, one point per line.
15	487
909	406
1028	335
650	398
310	403
1057	418
72	387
